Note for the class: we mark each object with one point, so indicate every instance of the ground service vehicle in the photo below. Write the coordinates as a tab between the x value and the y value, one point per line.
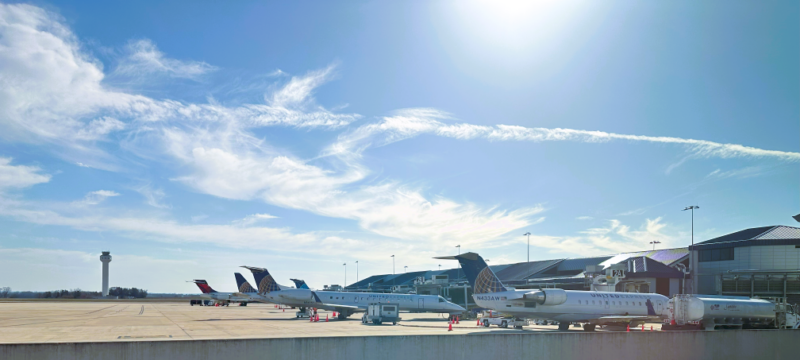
504	322
377	313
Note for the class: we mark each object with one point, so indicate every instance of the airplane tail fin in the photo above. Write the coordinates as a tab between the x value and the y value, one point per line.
300	284
480	276
204	287
264	280
243	285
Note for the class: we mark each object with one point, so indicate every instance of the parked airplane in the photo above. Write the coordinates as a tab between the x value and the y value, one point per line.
345	303
220	297
565	306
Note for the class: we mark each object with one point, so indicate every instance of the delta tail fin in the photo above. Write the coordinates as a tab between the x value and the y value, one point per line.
264	280
300	284
480	276
203	285
243	285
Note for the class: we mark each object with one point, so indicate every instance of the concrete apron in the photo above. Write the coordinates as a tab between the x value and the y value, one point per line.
727	345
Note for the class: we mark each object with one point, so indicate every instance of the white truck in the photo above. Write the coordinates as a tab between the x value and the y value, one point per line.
377	313
504	322
709	312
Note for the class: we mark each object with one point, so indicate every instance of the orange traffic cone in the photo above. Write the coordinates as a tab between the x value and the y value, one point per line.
334	313
628	329
317	317
479	323
457	322
326	317
276	306
651	327
311	318
450	327
642	326
284	310
672	322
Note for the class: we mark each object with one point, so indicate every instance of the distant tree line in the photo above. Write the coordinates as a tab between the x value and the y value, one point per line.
123	293
69	294
127	292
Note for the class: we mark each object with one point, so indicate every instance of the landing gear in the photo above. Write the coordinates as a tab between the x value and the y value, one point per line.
343	315
588	327
563	326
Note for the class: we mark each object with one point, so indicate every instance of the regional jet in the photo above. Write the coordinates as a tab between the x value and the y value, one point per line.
345	303
565	306
222	298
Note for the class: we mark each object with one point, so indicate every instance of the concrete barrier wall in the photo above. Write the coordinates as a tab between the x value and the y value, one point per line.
727	345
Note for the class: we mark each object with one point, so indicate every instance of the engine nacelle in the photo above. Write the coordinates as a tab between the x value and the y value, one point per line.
547	296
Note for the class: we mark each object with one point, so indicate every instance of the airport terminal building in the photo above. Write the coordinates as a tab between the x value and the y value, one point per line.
762	261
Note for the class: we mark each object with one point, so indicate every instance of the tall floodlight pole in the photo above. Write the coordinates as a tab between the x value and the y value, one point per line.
440	266
345	275
356	271
405	269
654	242
691	248
458	273
392	264
529	244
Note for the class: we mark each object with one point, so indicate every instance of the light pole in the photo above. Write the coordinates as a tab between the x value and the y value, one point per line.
654	242
458	273
392	264
405	269
345	275
691	250
529	244
440	266
356	271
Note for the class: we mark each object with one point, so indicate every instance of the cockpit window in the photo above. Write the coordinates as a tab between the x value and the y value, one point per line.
441	299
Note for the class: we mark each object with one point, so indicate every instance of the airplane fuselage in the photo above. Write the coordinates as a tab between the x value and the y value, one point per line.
578	306
408	302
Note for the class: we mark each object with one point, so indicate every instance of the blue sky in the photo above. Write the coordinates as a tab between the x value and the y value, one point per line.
189	139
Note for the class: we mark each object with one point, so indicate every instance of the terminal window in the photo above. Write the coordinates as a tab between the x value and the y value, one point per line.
716	255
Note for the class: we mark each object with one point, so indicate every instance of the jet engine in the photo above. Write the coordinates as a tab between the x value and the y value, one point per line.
547	296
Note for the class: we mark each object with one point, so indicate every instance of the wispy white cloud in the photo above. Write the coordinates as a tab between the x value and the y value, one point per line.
153	196
19	176
95	197
413	122
611	239
584	218
142	58
56	94
252	219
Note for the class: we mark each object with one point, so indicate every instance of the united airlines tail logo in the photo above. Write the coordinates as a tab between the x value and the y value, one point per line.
487	282
267	284
246	288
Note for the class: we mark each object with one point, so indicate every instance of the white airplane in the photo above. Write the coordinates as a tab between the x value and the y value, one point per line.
565	306
345	303
222	298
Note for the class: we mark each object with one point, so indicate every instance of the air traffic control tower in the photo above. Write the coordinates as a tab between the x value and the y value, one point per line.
105	259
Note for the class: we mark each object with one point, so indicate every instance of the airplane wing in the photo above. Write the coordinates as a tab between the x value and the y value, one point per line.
625	319
338	307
